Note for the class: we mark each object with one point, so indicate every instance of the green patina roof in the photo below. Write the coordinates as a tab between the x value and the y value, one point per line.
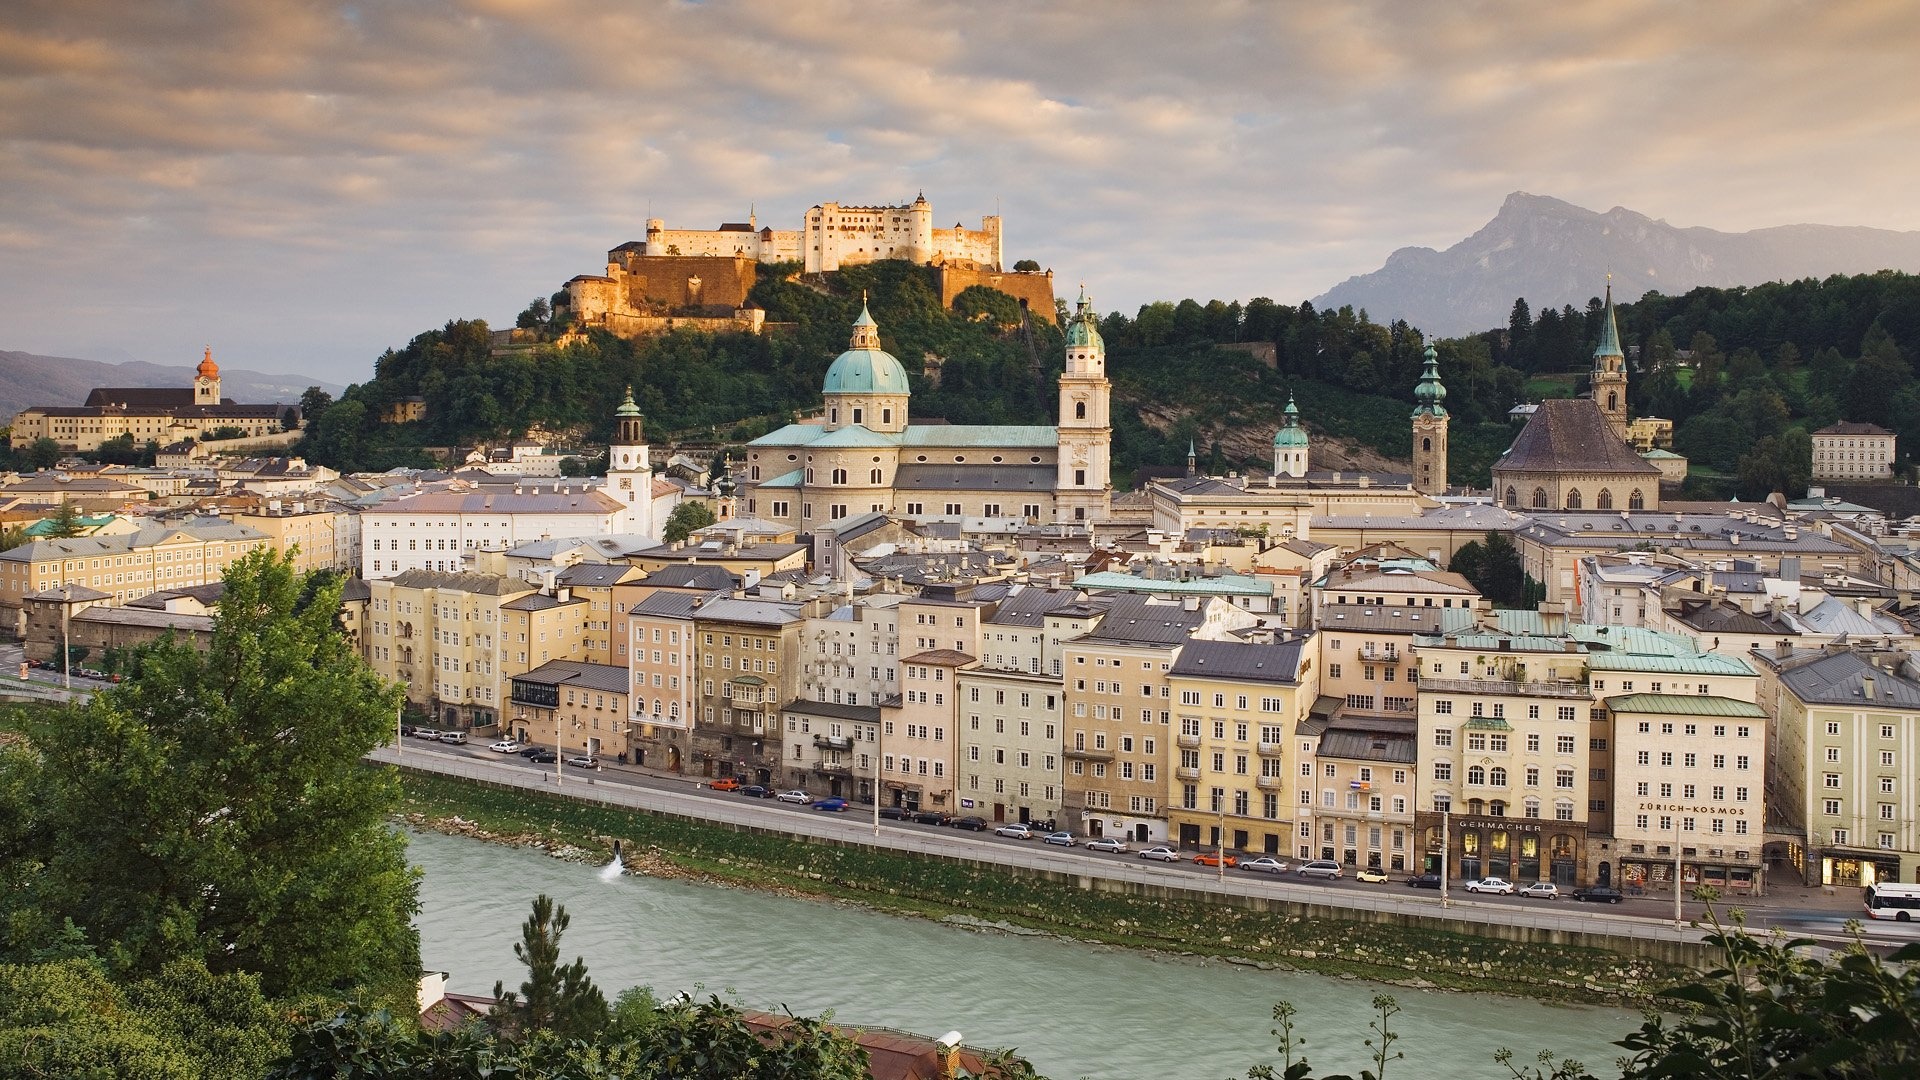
785	480
983	435
1657	454
1694	664
1291	434
854	435
1686	705
1609	332
1430	392
1224	585
1487	723
627	407
1082	329
865	368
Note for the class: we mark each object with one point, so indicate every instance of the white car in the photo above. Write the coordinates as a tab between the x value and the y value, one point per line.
1161	854
1265	864
505	746
1017	831
1542	890
794	796
1497	886
1111	845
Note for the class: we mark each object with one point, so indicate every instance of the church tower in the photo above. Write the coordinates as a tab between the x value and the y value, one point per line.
1430	429
206	381
1290	444
1085	435
1610	371
629	472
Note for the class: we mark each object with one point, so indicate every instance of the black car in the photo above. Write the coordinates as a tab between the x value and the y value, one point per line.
932	817
970	823
529	751
755	791
543	757
1598	894
1424	881
896	813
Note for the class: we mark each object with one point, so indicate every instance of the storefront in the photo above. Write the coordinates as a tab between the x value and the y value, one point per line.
1846	867
1643	876
1521	850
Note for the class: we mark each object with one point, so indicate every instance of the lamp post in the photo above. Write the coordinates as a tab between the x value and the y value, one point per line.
399	730
1446	849
66	640
1220	835
879	744
1677	917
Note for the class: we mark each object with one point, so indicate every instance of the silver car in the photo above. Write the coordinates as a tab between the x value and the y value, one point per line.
1320	868
1265	864
1109	844
1161	854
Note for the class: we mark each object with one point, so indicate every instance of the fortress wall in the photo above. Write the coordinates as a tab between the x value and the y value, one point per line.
1034	288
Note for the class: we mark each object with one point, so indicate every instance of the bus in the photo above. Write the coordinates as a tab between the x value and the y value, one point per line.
1892	900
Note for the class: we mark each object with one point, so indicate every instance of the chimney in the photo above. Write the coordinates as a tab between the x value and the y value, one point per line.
1867	687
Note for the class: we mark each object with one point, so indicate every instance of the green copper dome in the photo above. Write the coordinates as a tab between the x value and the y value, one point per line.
1082	329
1429	392
1291	435
865	368
627	407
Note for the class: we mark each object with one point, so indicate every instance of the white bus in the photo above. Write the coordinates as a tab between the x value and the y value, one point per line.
1892	900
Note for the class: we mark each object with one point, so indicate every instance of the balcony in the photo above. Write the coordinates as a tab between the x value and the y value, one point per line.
1558	689
1269	783
1188	742
832	768
1088	755
833	742
1271	749
1186	772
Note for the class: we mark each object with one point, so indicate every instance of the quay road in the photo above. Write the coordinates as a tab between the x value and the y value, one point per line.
1804	913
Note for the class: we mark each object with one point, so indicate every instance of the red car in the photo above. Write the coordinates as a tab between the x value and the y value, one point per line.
1214	858
726	783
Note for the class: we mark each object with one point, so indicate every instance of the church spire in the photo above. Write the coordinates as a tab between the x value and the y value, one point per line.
1429	394
1609	378
1609	332
1430	422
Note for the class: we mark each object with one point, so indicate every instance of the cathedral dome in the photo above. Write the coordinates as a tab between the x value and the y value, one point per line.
865	368
1291	435
1083	329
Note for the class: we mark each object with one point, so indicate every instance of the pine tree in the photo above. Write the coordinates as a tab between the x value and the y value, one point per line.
555	997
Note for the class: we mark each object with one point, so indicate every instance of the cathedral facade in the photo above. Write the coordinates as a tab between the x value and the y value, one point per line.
864	454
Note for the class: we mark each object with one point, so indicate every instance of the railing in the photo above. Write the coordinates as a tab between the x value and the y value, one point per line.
832	768
1188	742
1271	749
1088	755
833	742
1506	686
1187	772
1268	783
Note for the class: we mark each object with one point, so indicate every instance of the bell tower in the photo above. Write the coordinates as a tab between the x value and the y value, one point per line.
629	470
206	381
1609	377
1085	433
1430	429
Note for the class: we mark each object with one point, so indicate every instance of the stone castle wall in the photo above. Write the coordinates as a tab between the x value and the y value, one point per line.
1033	289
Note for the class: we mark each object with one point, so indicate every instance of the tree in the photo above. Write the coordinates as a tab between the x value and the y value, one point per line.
556	997
535	314
42	453
1782	463
1026	266
685	518
216	807
1502	578
67	521
314	402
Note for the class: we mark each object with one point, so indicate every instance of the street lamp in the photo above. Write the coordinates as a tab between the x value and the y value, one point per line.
1446	848
66	640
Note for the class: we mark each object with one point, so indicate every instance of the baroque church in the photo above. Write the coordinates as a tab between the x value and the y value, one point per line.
1573	454
864	453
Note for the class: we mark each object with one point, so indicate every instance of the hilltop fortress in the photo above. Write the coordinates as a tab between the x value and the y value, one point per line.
700	278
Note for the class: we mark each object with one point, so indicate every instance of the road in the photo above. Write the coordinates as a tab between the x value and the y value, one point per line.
1639	917
41	683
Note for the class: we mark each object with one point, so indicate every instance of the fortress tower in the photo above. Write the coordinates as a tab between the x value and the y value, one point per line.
206	381
1610	371
1085	432
629	470
1430	429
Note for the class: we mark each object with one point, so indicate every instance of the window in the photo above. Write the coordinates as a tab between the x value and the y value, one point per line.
1442	770
1564	744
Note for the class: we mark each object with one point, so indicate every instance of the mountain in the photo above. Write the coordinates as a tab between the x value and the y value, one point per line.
27	380
1554	253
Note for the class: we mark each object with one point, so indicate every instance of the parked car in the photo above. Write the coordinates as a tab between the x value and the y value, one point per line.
1370	875
1113	845
794	796
457	738
543	757
1320	868
1497	886
1062	839
529	751
1598	894
1161	854
1542	890
1424	881
932	817
755	791
726	783
1214	858
505	746
1016	830
896	813
971	823
584	761
834	804
1265	864
427	733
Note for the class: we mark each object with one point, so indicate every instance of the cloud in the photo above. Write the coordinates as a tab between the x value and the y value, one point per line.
308	183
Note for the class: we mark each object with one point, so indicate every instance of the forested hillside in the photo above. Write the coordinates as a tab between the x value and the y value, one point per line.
1744	373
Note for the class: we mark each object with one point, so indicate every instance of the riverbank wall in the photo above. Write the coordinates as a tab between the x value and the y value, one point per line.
1417	950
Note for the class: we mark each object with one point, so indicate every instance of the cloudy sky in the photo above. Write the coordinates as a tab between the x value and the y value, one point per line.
304	184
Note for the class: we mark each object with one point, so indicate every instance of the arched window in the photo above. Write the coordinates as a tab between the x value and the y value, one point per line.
1476	776
1496	808
839	476
1513	497
1497	776
1636	501
873	476
1079	410
1605	501
1573	499
1539	498
1613	401
809	474
1426	445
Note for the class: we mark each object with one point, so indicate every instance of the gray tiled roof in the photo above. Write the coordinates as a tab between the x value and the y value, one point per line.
606	678
1840	679
1037	479
1571	435
693	576
1134	619
1278	662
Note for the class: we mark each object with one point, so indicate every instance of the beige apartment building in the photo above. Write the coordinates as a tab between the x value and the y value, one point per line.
919	735
541	626
1010	745
128	566
832	749
576	707
744	648
440	635
1357	774
663	661
1689	772
1237	705
318	539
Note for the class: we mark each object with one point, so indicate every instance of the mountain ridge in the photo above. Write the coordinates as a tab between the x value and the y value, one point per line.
1553	253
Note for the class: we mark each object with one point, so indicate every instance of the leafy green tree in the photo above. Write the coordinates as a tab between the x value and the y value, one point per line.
119	450
1782	463
535	314
684	519
41	453
216	808
1026	266
65	522
1502	578
555	997
314	402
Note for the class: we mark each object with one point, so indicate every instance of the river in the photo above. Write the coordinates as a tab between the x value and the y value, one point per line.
1074	1010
